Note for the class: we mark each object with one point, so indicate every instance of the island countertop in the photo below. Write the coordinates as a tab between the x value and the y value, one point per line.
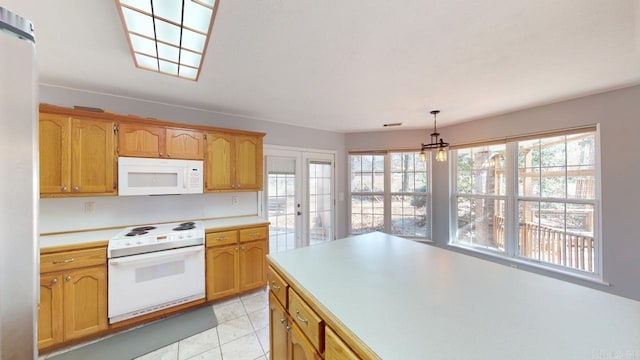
406	300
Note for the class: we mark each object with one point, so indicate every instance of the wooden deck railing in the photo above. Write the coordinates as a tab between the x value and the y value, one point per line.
551	245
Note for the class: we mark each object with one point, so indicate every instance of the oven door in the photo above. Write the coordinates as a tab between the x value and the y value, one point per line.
144	283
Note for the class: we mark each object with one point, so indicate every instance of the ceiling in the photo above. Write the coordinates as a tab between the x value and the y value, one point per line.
353	65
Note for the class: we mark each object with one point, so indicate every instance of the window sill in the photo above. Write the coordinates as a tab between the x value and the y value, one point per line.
517	263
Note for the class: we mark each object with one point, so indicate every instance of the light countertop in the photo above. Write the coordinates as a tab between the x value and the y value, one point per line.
408	300
81	237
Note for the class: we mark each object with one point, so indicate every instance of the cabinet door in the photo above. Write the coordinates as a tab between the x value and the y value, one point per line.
248	165
55	153
278	329
50	329
222	272
184	144
219	162
140	140
92	156
253	265
335	348
300	347
85	301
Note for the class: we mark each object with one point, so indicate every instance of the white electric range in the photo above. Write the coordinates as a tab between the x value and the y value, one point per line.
155	267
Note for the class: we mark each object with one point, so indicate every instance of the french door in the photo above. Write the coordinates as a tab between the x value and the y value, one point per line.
298	197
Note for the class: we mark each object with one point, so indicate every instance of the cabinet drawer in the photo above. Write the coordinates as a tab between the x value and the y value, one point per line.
72	259
222	238
278	286
251	234
309	322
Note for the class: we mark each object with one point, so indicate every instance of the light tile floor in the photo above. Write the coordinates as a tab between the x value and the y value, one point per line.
242	333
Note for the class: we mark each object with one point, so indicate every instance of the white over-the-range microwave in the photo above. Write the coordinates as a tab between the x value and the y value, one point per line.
147	176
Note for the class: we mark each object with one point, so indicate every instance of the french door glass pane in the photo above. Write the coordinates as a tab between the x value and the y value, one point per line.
320	206
281	202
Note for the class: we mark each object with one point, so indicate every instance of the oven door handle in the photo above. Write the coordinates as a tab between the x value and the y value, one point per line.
157	256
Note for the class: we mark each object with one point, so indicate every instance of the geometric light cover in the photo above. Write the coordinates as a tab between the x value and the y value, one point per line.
168	36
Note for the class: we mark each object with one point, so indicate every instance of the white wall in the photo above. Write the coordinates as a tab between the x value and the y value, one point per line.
617	112
65	214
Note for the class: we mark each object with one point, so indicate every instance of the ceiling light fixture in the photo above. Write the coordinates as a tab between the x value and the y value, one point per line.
169	37
436	142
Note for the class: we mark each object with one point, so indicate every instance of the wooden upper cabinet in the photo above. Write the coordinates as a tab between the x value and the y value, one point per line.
55	153
185	144
154	141
77	156
233	162
248	162
138	140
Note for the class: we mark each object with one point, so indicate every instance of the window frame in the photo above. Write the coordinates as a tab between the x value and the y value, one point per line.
387	194
511	252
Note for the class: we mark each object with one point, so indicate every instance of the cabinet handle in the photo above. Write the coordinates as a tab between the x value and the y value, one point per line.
222	238
65	261
68	278
274	286
54	281
64	188
305	321
253	234
76	189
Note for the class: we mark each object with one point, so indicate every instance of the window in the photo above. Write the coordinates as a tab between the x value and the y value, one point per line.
389	193
534	199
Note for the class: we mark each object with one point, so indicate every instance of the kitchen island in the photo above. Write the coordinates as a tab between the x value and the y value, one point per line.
380	296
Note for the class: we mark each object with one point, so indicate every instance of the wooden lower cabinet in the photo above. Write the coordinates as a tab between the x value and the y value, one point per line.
236	261
73	304
335	348
73	296
279	330
298	331
301	348
222	272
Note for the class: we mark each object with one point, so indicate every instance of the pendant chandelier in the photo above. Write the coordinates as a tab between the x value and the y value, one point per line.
436	142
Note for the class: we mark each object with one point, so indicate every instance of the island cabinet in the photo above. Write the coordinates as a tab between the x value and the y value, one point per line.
73	295
156	141
77	154
298	330
236	261
233	162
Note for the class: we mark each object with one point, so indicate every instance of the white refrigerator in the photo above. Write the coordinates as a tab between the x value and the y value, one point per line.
18	188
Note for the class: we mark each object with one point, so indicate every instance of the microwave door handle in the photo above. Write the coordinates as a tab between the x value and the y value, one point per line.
185	179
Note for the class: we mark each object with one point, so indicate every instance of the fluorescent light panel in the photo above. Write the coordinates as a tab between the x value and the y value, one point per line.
168	36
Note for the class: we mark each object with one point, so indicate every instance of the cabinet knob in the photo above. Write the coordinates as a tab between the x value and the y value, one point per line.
54	281
68	278
160	154
236	249
242	248
274	286
282	320
76	189
287	329
168	155
64	188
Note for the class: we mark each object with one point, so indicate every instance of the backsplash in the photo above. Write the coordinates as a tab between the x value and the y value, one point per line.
84	213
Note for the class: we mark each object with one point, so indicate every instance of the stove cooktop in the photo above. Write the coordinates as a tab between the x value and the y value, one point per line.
151	238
